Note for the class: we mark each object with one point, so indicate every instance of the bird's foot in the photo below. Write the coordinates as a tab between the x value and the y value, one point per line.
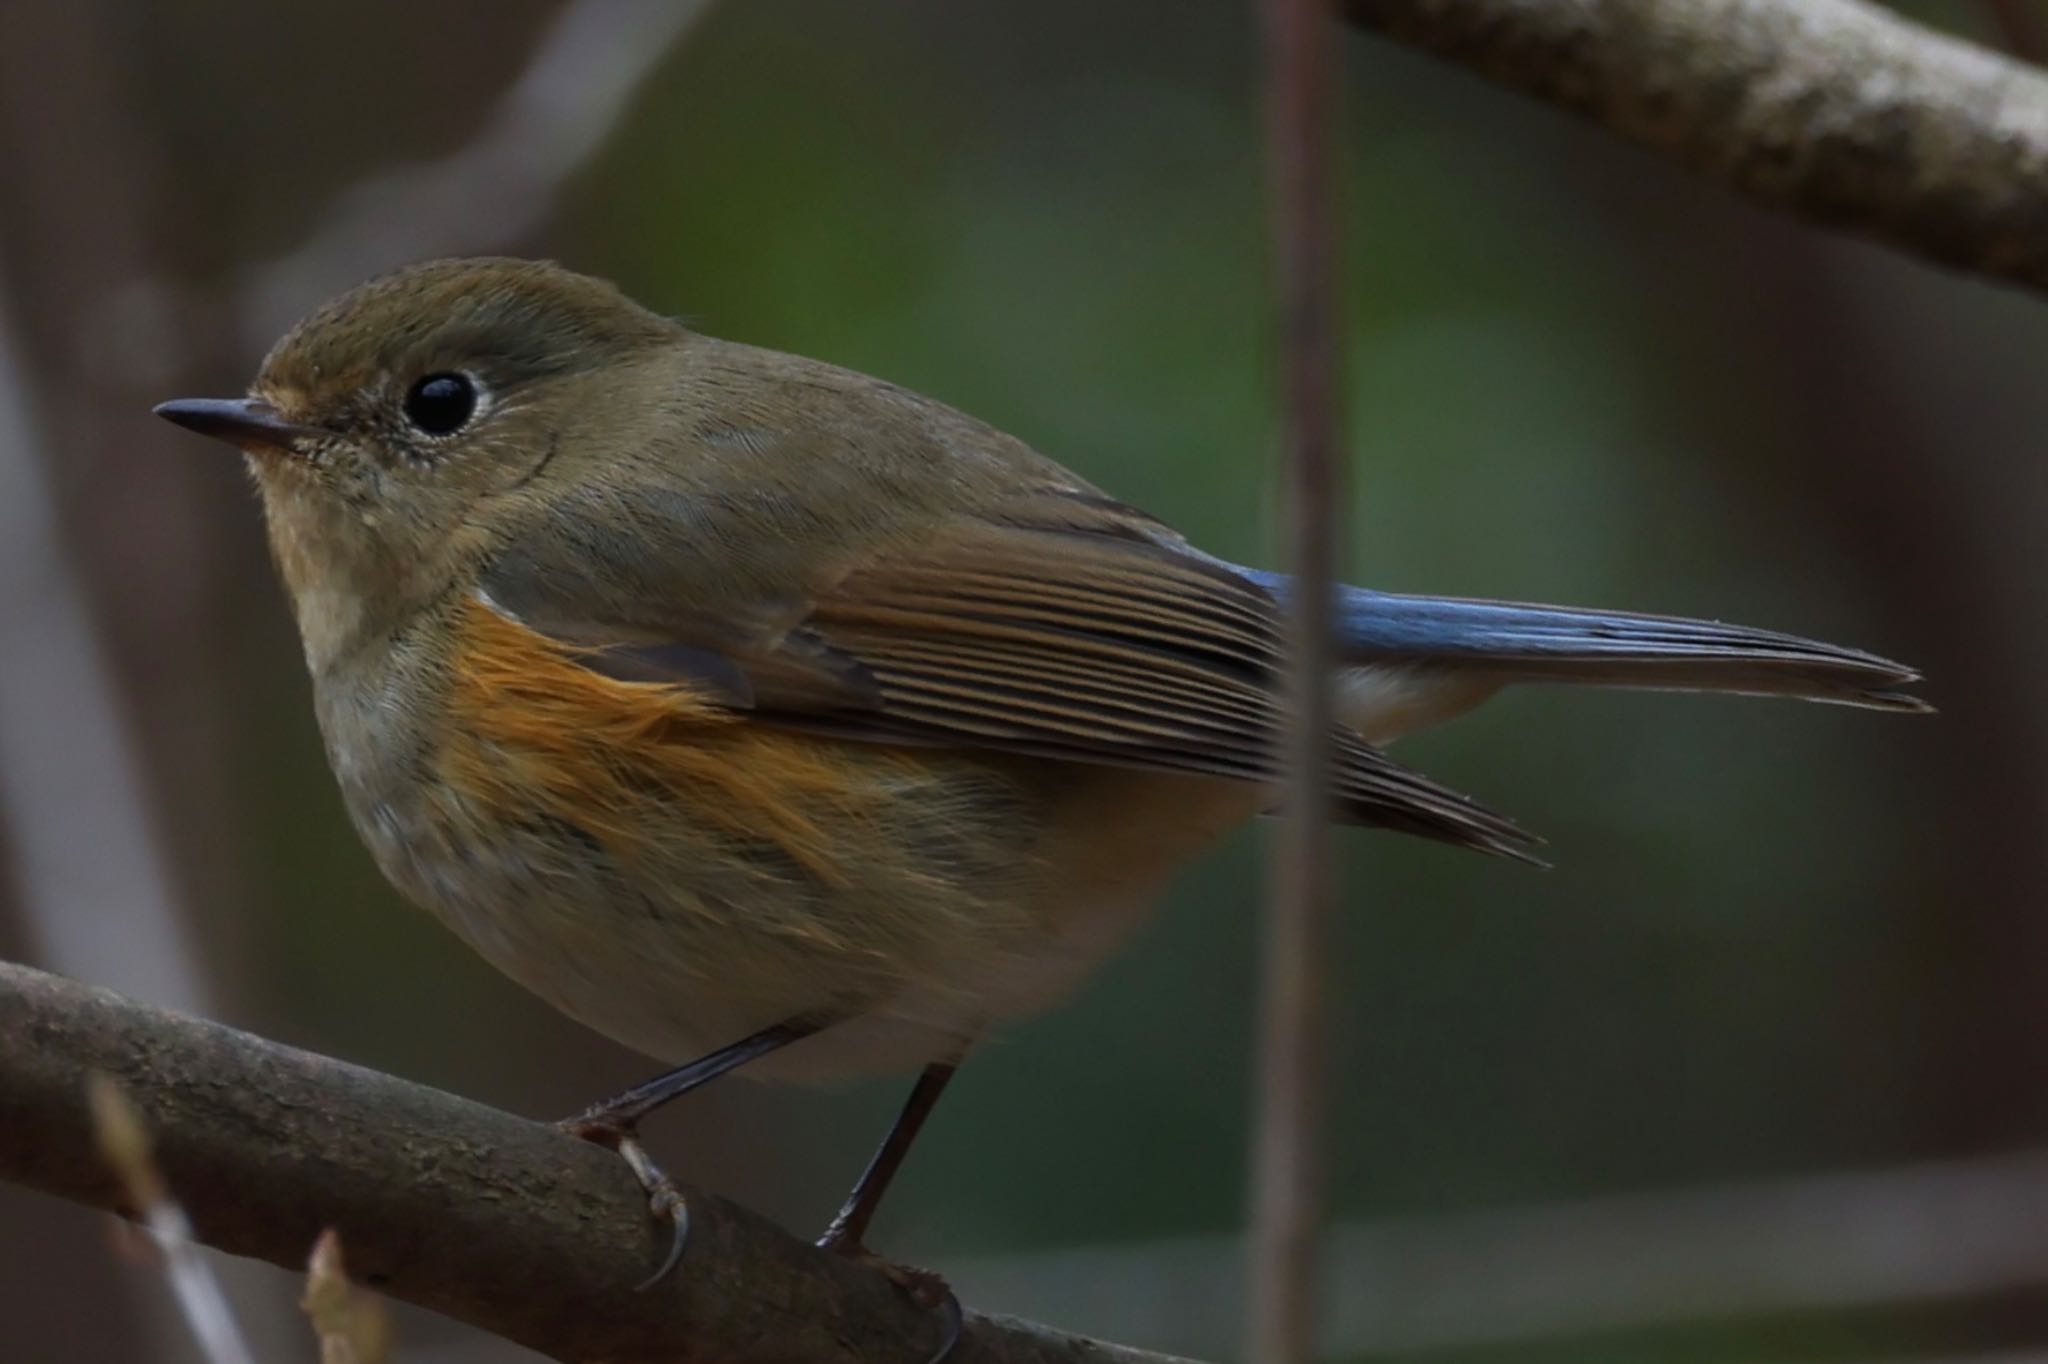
664	1199
924	1288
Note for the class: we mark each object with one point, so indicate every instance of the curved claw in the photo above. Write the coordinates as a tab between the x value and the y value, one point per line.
667	1202
664	1199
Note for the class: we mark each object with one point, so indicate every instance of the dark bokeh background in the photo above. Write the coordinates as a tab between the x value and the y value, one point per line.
1781	941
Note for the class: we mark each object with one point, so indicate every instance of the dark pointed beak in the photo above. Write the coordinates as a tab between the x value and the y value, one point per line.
238	421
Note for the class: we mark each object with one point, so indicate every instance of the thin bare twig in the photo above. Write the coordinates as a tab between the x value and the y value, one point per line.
496	190
1287	1170
1890	1239
88	860
123	1141
99	889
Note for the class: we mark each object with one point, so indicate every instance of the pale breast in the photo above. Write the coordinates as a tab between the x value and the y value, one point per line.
677	878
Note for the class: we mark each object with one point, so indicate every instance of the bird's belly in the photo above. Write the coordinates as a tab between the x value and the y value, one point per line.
983	896
677	876
684	936
1114	839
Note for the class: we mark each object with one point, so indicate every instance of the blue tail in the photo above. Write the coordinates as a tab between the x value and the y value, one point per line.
1517	642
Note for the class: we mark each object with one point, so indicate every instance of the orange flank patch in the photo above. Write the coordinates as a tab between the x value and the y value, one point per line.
640	766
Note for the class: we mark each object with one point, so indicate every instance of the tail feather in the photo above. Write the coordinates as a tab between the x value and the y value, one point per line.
1515	641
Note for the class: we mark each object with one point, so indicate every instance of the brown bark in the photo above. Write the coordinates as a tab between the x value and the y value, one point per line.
503	1223
1835	110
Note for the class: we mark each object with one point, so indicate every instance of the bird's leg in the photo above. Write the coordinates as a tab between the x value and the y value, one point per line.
615	1122
847	1234
622	1112
848	1231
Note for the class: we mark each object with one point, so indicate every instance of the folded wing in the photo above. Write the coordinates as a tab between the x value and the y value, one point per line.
1060	625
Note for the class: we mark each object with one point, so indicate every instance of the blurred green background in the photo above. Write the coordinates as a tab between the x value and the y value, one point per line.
1780	942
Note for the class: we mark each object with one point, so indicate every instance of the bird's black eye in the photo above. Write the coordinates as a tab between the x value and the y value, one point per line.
441	404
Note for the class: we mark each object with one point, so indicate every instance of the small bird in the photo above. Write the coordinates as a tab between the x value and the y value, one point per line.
757	712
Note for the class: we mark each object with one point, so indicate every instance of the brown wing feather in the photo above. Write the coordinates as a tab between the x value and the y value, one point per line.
1126	653
1065	627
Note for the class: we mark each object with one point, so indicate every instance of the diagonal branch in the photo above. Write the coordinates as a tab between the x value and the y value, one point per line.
500	1222
496	190
1835	110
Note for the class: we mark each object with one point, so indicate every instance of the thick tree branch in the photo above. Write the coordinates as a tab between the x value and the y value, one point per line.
1833	109
500	1222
